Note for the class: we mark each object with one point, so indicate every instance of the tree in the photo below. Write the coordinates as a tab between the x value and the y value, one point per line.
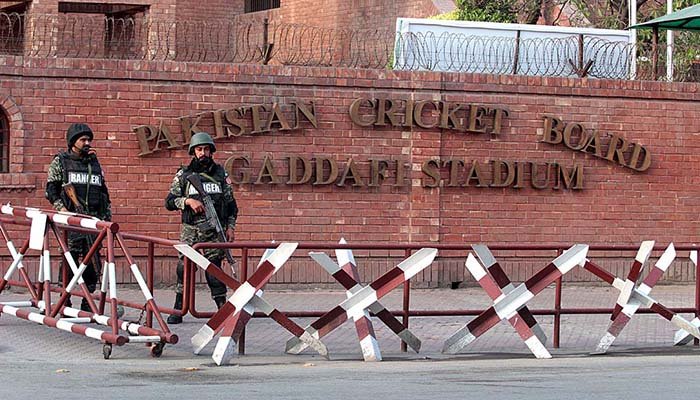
487	10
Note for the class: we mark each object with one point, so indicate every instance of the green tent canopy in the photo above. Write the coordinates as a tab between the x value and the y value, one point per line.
685	19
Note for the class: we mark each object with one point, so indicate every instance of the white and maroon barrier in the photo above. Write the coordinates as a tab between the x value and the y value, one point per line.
633	296
683	337
45	224
497	285
358	302
232	318
346	273
507	304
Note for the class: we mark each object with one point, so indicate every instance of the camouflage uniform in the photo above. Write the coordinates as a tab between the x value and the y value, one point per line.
194	232
78	242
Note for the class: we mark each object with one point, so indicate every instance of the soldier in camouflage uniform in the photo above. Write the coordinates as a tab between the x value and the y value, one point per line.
79	166
184	198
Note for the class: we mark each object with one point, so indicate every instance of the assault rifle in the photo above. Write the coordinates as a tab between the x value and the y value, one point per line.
210	213
69	189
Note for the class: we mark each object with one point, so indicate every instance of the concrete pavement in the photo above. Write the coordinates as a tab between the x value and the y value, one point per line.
642	361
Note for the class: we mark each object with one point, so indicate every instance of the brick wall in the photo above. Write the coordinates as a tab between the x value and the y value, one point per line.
210	10
358	14
617	205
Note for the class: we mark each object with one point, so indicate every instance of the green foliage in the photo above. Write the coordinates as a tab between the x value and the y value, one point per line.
450	16
486	10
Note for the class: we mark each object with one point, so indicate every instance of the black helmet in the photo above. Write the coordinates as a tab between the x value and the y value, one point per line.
199	139
75	131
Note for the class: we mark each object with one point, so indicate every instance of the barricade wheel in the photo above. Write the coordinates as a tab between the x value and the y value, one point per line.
107	350
157	349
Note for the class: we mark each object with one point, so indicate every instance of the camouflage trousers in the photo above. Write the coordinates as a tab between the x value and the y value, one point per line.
79	245
192	235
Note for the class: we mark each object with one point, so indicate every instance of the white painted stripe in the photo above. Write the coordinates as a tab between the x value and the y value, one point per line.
35	317
242	296
618	283
344	256
513	301
131	328
105	274
60	218
605	342
370	349
458	341
71	261
410	339
644	251
112	281
64	325
33	212
89	222
17	262
13	250
79	320
143	339
667	258
362	299
357	313
94	333
537	348
69	311
417	262
223	352
477	271
249	308
193	255
644	288
37	231
686	325
282	254
296	345
265	256
142	283
201	339
631	308
575	255
484	255
355	289
40	270
18	303
8	309
683	337
261	305
76	276
47	266
325	261
625	293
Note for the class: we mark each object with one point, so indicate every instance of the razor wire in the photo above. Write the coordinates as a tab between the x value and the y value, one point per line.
253	40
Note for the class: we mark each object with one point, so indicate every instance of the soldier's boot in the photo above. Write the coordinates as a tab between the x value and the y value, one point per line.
220	301
174	318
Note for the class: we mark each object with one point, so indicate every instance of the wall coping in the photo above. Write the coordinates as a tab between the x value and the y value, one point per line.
418	81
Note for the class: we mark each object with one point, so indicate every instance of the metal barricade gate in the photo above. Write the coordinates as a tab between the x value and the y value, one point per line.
45	224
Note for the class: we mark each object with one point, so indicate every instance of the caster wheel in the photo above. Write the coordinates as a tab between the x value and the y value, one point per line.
107	351
157	349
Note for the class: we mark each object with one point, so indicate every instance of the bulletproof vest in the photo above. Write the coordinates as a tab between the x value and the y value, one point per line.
213	183
86	176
